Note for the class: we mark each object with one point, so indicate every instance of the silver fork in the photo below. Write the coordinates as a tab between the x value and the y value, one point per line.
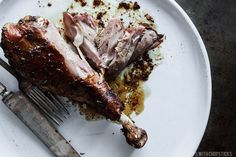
49	104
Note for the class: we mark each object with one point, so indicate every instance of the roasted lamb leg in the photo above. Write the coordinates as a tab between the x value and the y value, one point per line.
37	52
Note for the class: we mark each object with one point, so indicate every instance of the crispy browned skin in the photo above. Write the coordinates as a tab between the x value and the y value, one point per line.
38	53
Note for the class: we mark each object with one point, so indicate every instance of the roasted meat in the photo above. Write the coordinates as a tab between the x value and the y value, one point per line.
123	50
128	44
149	40
38	53
116	46
107	40
81	29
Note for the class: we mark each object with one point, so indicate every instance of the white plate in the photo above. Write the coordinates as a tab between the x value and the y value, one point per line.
175	114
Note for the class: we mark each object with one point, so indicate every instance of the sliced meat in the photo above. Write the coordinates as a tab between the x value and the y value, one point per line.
108	39
114	47
124	50
149	40
81	29
120	46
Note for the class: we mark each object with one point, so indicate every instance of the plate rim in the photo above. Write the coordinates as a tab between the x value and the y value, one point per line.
206	61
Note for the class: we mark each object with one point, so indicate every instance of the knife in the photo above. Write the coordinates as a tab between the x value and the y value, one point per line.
26	111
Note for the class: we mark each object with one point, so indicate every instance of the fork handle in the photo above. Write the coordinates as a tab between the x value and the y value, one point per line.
25	110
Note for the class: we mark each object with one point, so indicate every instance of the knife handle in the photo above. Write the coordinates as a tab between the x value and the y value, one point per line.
25	110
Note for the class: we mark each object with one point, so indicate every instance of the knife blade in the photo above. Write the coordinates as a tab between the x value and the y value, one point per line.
27	112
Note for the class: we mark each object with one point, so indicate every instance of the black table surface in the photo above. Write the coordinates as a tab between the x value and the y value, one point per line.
216	22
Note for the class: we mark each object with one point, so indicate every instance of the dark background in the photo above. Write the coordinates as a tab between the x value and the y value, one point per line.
216	22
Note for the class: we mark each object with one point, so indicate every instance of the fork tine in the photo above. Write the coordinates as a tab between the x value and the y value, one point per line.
59	103
46	100
42	104
56	104
51	109
41	99
45	105
32	97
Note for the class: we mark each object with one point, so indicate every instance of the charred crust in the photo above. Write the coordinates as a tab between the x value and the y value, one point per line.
149	17
129	6
136	137
160	37
100	15
82	2
101	23
73	14
21	21
136	6
124	5
49	4
97	3
146	25
99	18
